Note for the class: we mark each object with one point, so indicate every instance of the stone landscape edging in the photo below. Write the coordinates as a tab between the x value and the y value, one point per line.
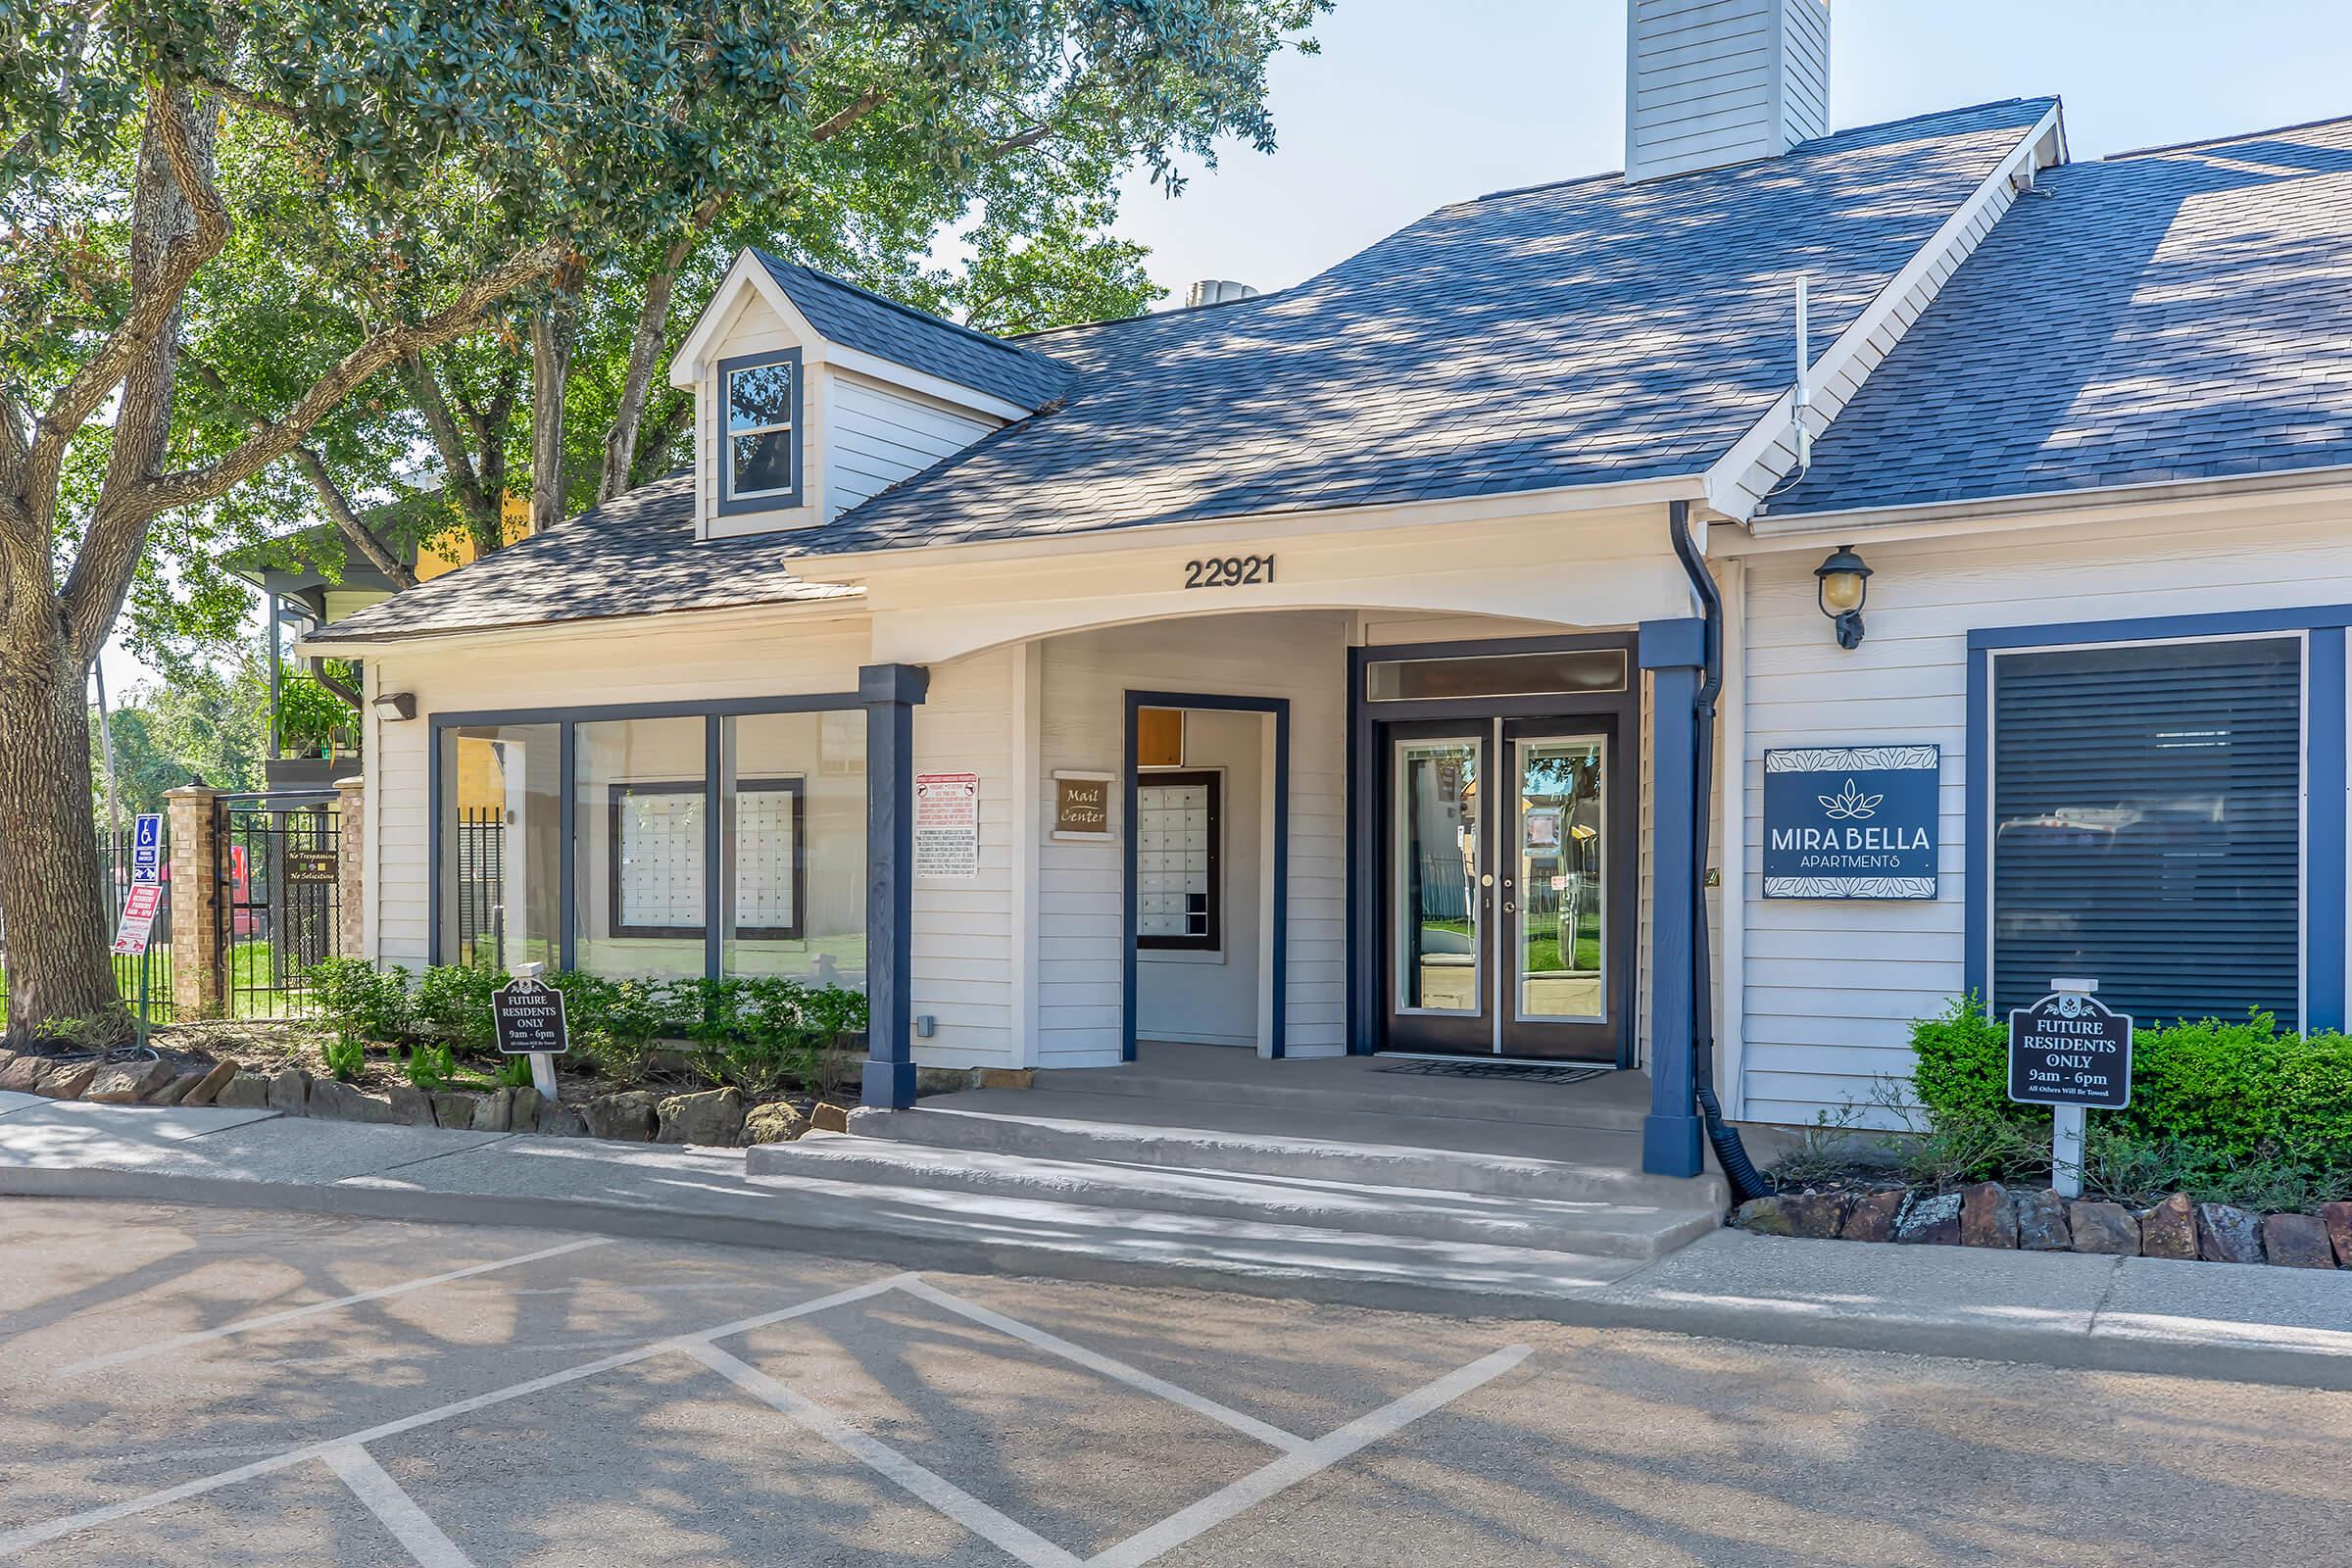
1987	1214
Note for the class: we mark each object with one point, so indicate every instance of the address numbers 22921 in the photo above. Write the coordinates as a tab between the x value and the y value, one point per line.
1228	572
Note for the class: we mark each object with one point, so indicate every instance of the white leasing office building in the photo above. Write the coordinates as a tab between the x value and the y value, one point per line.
1317	672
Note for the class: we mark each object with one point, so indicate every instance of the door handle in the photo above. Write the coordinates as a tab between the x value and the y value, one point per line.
1509	907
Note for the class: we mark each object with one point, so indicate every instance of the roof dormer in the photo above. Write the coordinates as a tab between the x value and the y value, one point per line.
813	395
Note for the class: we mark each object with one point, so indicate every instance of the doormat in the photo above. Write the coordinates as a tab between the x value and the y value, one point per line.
1525	1072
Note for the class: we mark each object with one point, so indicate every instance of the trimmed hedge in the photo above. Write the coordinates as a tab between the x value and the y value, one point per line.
2237	1090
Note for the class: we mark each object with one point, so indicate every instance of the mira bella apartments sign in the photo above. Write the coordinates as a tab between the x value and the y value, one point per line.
1851	822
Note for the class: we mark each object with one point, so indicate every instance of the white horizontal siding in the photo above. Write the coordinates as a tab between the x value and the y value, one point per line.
1085	676
875	436
961	968
1829	989
1711	82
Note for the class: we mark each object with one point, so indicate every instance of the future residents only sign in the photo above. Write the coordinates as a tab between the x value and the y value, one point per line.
2070	1049
1851	821
529	1018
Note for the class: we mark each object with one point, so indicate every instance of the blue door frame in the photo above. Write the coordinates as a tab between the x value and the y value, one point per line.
1277	1026
1367	775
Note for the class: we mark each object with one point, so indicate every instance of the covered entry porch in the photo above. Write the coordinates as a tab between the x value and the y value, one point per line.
1251	842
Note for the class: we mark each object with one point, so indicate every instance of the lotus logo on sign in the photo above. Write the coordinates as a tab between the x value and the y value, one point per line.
1848	804
1851	821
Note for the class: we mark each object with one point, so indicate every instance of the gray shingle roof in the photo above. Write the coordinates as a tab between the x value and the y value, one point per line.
2179	314
848	315
1561	335
633	556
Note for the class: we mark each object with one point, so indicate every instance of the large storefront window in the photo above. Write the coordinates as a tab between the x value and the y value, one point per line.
2146	822
640	842
754	821
792	823
501	845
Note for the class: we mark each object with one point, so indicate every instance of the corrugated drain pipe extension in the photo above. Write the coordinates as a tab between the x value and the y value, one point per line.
1732	1154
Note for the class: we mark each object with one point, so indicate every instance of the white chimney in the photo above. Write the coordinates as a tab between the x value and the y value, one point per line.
1714	83
1216	291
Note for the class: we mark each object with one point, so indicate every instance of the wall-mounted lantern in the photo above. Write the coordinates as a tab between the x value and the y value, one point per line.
396	704
1841	588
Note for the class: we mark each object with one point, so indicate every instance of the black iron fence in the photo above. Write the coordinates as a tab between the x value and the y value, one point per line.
113	889
481	886
282	903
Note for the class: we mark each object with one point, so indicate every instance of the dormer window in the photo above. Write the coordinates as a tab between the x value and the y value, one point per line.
760	466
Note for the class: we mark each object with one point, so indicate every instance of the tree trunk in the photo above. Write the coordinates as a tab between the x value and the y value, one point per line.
55	916
645	352
552	333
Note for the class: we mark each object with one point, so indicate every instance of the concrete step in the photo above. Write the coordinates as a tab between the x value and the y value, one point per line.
1468	1099
1339	1148
1587	1227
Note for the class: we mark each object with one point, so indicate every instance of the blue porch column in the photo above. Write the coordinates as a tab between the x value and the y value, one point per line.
1673	652
890	693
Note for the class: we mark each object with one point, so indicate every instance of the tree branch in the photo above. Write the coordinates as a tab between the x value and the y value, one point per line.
337	505
155	300
448	440
388	347
645	351
245	98
857	109
331	499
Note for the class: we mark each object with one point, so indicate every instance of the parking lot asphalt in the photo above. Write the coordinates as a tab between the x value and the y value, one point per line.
193	1385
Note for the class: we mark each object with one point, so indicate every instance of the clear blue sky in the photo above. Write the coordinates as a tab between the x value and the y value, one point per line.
1415	103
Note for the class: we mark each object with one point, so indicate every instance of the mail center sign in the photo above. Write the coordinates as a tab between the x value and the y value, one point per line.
1851	822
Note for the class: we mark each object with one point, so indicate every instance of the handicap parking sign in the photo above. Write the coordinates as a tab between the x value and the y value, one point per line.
147	850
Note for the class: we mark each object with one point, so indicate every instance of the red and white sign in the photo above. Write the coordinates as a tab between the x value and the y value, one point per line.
946	826
140	909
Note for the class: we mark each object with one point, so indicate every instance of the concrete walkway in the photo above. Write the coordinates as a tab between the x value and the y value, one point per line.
2291	1327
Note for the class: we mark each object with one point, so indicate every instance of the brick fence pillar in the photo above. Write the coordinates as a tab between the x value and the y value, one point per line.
350	865
195	900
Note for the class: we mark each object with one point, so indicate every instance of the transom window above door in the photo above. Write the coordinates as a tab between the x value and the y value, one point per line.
760	466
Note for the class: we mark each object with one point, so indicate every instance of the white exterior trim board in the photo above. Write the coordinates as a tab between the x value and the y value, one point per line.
1740	480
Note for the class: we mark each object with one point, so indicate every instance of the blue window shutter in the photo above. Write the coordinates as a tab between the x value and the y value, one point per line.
2146	826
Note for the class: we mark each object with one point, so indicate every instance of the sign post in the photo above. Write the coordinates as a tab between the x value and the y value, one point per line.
528	1015
2072	1053
142	902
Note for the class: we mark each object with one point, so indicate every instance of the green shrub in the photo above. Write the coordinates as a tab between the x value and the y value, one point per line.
360	1003
2217	1105
1962	1067
345	1058
453	1005
431	1066
615	1023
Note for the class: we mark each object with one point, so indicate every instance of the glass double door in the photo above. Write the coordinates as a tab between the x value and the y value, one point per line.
1506	889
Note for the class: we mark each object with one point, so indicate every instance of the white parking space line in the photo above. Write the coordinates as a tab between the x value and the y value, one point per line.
1281	1474
180	1341
396	1508
1014	1539
1133	1377
16	1541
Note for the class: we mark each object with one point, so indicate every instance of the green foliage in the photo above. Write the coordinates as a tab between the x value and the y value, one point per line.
312	720
86	1034
761	1034
2218	1109
203	719
360	1003
346	1059
615	1023
431	1067
453	1004
1961	1070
